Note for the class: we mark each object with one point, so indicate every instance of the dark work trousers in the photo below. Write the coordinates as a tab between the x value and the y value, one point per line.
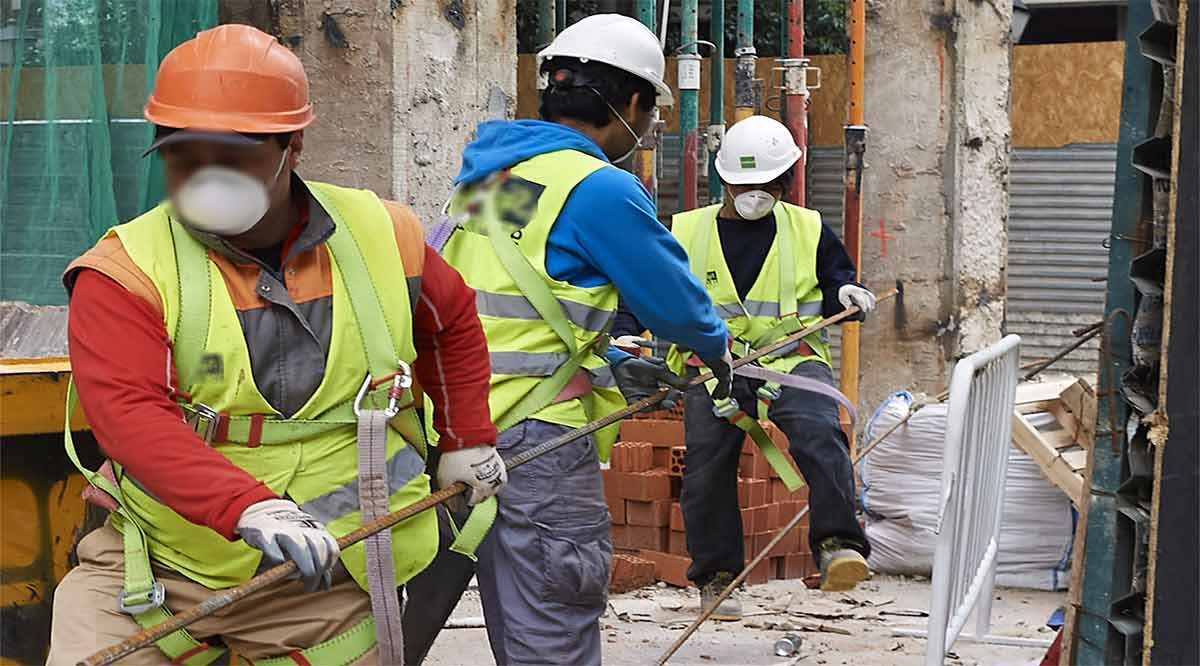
545	564
714	445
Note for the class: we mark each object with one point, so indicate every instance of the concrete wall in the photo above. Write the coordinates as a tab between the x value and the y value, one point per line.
937	100
398	85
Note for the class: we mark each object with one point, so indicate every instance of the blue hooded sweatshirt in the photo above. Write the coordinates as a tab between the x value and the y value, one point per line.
607	232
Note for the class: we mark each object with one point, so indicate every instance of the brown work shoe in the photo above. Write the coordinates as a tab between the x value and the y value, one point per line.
730	610
842	567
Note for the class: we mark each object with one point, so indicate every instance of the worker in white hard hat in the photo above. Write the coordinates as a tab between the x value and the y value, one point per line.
547	231
773	269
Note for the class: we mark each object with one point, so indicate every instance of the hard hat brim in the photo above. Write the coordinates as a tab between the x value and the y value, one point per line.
211	136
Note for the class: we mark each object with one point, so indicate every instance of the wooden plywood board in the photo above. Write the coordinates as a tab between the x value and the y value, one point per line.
1066	93
1056	469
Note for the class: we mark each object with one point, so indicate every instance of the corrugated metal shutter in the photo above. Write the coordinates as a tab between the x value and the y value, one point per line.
1060	213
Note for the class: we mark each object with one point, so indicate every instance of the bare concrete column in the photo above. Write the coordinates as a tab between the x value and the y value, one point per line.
935	208
398	85
981	140
455	64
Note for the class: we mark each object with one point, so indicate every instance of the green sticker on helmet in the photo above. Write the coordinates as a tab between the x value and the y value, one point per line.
748	162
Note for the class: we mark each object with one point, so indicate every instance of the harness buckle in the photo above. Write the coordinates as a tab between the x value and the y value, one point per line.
204	420
769	393
723	409
133	604
401	381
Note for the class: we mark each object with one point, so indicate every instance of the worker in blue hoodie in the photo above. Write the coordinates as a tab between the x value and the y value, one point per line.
548	231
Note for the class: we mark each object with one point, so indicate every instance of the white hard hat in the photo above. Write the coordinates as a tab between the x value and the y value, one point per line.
756	151
616	40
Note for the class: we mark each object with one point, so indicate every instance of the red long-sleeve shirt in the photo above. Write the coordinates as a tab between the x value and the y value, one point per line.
120	359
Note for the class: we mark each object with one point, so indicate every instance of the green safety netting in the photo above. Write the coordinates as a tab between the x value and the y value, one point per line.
75	74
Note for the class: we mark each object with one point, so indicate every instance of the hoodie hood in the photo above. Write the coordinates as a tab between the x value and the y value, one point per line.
500	144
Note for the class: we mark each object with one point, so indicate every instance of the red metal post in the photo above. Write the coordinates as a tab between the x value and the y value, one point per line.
797	105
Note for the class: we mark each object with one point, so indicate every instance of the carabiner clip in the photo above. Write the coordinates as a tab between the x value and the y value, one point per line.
723	409
401	382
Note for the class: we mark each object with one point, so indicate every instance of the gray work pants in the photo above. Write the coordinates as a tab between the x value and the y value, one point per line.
544	566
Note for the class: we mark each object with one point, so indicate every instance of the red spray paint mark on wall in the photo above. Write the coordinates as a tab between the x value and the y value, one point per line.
883	237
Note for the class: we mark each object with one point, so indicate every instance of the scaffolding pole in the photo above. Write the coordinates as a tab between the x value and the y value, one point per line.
855	144
745	98
545	14
716	99
645	160
795	88
689	102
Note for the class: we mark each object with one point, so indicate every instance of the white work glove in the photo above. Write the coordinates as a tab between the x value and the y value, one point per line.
480	467
722	369
854	295
283	532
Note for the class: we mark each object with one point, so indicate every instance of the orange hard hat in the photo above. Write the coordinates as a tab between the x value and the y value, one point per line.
233	78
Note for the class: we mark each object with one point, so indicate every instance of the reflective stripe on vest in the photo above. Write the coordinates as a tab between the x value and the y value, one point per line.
377	305
783	289
538	328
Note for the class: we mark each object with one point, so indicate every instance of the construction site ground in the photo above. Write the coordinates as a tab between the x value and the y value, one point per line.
850	629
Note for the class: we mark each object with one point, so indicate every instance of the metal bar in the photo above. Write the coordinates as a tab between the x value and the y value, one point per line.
645	159
796	105
716	99
1094	640
745	101
545	14
75	121
689	102
560	15
1011	641
856	136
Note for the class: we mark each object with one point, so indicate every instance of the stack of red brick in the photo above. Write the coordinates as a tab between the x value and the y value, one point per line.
642	487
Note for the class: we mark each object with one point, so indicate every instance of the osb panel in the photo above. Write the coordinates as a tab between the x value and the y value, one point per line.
827	111
1066	93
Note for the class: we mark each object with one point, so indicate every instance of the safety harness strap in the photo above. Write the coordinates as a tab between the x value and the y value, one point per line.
142	596
373	497
784	258
195	302
341	650
728	409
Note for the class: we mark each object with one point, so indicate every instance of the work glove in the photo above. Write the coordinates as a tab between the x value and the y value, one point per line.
283	532
722	369
854	295
480	467
640	377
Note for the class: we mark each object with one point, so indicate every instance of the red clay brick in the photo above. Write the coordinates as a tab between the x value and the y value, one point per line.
671	569
778	568
617	509
660	457
762	519
773	516
618	460
677	466
752	464
630	572
760	574
794	566
637	537
677	517
677	543
752	493
649	514
644	486
658	432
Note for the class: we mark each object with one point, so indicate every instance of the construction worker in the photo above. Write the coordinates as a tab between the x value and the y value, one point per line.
244	354
547	231
772	269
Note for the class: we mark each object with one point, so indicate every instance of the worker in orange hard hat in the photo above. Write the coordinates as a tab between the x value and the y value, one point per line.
246	354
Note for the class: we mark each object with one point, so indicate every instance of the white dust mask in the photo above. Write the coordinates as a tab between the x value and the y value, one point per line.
754	205
224	201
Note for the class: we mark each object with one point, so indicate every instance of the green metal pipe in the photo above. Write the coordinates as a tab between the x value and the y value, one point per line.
645	160
744	99
560	15
716	97
545	14
689	102
645	14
